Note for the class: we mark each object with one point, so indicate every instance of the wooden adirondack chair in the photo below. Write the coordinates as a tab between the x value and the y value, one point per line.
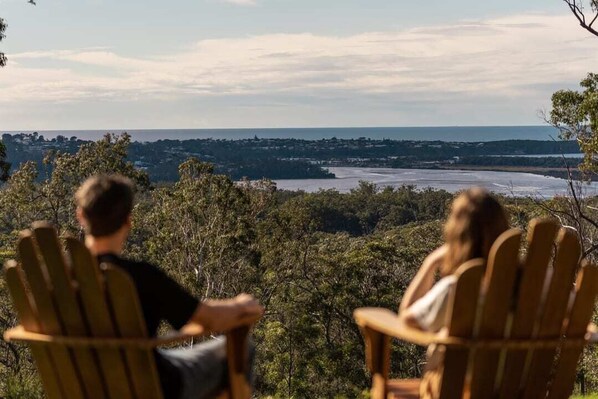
535	357
85	327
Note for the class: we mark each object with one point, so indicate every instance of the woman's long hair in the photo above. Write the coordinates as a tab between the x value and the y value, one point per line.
475	222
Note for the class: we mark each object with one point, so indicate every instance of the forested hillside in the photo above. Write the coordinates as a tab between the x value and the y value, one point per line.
304	159
309	258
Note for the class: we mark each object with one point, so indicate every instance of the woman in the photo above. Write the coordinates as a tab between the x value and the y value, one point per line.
475	222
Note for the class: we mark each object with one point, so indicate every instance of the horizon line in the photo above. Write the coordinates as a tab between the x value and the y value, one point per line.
124	130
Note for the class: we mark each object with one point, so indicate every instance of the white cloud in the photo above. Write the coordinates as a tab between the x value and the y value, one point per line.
507	59
241	2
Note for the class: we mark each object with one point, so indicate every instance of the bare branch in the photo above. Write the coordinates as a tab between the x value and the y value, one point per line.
577	9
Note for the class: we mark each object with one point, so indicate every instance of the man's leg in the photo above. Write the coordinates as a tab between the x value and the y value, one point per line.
203	367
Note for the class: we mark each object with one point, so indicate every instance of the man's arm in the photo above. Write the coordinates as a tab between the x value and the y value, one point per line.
225	314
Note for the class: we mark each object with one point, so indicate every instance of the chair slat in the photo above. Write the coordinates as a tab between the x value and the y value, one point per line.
499	282
540	237
48	316
38	281
580	315
97	314
551	324
28	317
68	307
21	299
128	315
464	301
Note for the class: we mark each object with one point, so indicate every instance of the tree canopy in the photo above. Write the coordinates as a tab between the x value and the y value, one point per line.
575	114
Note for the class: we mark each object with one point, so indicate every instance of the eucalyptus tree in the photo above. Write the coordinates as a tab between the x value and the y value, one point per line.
34	193
575	114
201	230
2	36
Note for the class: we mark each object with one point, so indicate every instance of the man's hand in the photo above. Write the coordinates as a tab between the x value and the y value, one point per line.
226	314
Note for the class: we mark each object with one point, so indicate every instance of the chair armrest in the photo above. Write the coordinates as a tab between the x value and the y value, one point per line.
19	334
390	324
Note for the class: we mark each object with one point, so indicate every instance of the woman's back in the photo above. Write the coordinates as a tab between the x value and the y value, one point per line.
475	221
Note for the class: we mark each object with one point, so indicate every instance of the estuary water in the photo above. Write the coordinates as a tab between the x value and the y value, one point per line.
508	183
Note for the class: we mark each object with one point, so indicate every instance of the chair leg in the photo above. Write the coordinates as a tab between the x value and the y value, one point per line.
238	363
378	360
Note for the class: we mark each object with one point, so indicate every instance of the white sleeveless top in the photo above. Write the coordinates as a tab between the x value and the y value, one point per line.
431	310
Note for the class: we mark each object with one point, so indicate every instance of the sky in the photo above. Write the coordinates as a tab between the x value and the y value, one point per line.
109	64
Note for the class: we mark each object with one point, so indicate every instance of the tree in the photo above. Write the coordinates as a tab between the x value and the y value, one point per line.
586	13
575	114
201	229
2	36
48	195
4	166
20	200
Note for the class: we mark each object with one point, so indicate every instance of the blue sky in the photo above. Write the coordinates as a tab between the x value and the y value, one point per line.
95	64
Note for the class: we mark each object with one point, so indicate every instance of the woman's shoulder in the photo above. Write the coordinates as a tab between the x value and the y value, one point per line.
437	256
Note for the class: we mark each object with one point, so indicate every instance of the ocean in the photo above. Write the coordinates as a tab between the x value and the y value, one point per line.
447	133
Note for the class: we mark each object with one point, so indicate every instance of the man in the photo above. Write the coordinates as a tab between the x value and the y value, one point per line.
104	205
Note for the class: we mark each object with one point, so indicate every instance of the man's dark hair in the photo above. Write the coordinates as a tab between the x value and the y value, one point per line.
106	202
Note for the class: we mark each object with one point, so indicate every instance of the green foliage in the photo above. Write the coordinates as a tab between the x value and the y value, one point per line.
47	194
24	199
18	378
575	114
4	166
316	273
309	345
213	217
311	259
302	159
24	385
368	209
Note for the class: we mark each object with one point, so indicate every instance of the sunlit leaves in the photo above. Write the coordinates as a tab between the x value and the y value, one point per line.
575	114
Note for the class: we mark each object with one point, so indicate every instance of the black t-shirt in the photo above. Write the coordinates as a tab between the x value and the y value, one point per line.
161	299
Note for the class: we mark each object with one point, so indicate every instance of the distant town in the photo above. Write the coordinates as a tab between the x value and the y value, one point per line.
308	159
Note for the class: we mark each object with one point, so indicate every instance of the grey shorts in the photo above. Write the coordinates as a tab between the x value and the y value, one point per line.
203	367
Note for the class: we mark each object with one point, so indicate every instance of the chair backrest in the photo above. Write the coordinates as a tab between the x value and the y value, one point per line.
531	304
64	293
